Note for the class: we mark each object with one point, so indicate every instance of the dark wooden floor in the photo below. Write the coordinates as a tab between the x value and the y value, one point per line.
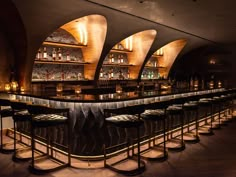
213	156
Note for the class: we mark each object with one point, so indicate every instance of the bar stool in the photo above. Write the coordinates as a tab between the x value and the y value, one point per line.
156	113
205	104
217	102
175	118
125	118
226	116
49	118
229	106
5	112
191	115
20	115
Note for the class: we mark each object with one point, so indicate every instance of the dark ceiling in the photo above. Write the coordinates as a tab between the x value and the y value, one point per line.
210	19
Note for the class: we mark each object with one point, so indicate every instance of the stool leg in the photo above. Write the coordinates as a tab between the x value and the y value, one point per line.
51	138
14	127
196	119
47	140
138	137
219	112
182	129
69	143
32	144
1	134
211	115
164	134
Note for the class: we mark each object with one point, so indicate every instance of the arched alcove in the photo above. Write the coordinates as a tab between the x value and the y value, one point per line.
159	64
71	53
125	59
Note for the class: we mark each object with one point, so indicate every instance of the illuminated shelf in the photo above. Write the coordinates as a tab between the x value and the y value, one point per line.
120	51
117	64
63	44
61	62
155	55
153	67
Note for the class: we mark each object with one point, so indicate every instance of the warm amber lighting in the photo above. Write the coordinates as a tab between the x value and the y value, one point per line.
14	85
212	61
59	88
82	33
78	89
7	87
211	84
22	89
219	84
118	88
160	52
129	43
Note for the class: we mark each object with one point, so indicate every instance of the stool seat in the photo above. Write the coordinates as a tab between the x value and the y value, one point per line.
6	112
190	106
125	120
22	116
174	109
153	114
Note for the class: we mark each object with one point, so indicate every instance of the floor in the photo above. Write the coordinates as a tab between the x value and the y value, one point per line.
213	156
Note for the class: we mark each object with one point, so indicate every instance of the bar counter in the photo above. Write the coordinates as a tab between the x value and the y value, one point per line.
86	114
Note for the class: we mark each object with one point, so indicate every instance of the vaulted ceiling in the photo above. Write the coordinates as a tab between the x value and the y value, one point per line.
209	19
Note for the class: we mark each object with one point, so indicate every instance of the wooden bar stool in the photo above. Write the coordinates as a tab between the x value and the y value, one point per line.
156	113
5	112
20	114
125	118
49	118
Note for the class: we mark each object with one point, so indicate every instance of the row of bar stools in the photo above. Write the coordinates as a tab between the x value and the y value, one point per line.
20	114
5	112
127	118
49	118
156	113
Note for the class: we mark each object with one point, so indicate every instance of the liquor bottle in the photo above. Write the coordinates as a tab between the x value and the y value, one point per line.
152	74
54	54
67	56
155	64
112	73
112	58
128	74
121	59
101	73
45	55
59	54
118	59
38	56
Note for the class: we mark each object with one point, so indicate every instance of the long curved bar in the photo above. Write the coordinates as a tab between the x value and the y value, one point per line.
87	118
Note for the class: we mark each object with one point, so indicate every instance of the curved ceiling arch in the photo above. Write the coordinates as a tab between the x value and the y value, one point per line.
171	51
141	43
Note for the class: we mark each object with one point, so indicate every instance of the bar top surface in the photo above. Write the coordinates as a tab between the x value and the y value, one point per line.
104	97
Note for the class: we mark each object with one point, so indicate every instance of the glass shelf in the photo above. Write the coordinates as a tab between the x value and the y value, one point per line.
61	62
63	44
